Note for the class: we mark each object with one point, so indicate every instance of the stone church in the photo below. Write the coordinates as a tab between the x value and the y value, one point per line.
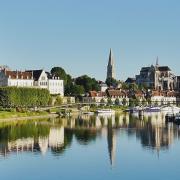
157	77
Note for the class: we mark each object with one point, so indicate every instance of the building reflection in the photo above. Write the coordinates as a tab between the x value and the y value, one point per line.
111	139
53	139
56	136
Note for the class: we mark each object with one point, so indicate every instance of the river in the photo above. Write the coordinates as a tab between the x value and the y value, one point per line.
90	147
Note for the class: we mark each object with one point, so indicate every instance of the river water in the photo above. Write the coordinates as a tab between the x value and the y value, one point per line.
91	148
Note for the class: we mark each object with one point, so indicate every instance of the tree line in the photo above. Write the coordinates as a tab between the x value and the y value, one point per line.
12	97
76	86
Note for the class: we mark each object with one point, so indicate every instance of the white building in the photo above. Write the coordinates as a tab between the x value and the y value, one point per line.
16	78
32	78
103	87
163	98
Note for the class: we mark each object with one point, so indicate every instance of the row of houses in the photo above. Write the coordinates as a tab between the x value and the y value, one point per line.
32	78
123	97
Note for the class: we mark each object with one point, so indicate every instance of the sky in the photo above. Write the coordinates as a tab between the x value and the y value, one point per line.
78	34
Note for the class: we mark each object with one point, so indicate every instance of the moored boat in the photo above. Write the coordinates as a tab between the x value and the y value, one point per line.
88	113
170	117
105	111
133	109
177	118
171	109
153	109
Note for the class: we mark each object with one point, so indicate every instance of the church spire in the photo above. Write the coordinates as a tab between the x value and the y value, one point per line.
157	61
111	66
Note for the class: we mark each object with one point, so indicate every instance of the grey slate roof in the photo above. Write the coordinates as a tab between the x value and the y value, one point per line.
36	74
164	68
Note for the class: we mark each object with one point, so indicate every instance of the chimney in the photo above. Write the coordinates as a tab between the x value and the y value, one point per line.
16	74
32	75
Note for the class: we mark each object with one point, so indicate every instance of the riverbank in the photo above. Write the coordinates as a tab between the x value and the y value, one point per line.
11	115
6	116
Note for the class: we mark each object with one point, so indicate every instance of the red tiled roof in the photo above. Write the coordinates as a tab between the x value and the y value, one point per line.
157	93
97	94
18	75
171	94
116	93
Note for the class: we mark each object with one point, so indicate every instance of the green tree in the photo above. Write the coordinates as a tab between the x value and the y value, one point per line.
134	87
102	101
111	82
109	102
117	102
60	72
23	97
88	83
144	102
149	101
125	86
156	103
58	101
124	102
77	90
131	102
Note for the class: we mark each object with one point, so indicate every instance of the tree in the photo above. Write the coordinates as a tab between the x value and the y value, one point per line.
125	86
149	101
133	87
117	102
156	103
77	90
102	101
131	102
88	83
111	82
144	102
143	87
124	102
11	97
137	101
78	86
58	101
60	72
109	102
69	84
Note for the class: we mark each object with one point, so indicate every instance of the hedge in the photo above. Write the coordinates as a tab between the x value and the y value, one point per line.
11	97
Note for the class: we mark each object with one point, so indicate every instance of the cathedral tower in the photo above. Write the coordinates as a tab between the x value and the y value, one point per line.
111	66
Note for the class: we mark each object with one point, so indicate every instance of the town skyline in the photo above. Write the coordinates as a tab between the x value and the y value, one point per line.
78	35
116	73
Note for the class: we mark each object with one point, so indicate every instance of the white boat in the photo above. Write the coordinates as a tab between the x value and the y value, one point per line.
170	117
152	109
171	109
88	113
177	118
105	111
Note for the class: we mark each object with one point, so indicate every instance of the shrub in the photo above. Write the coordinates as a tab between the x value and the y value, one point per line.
12	97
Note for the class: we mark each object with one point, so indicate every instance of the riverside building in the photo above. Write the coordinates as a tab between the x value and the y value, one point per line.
32	78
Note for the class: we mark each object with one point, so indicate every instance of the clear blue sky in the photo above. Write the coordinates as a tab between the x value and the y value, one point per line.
77	35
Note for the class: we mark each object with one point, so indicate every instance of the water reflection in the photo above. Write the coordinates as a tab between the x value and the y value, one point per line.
57	135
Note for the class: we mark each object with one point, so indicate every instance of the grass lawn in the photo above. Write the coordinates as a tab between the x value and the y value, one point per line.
7	114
